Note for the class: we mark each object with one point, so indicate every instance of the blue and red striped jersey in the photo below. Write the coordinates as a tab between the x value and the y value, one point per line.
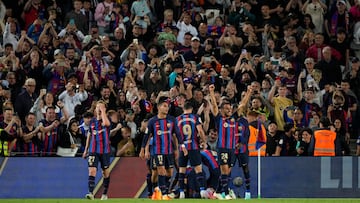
228	128
99	137
243	135
208	158
49	144
162	131
31	147
187	127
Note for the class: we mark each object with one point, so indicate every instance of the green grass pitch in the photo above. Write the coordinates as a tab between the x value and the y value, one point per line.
265	200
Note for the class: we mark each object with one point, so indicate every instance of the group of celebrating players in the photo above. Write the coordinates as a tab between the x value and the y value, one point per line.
171	142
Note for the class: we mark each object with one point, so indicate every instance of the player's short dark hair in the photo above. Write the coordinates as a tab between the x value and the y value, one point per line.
163	100
188	105
224	102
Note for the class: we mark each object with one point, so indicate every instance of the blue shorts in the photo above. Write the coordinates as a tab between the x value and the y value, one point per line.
226	156
95	158
166	160
242	158
151	163
193	155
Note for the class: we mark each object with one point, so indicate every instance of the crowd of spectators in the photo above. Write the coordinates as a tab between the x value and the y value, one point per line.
299	59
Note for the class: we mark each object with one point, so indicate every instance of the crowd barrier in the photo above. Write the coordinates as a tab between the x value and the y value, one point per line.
300	177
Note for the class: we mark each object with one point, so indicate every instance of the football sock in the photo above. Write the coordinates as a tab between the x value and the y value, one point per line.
91	183
200	180
106	185
174	182
162	184
181	181
224	184
149	184
168	183
247	176
219	187
230	185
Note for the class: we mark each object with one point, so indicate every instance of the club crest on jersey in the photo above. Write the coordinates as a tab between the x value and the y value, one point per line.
168	125
226	125
240	128
232	119
159	132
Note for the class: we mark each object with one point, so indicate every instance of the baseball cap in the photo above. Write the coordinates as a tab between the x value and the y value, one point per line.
341	1
71	75
195	38
354	59
57	52
140	61
155	70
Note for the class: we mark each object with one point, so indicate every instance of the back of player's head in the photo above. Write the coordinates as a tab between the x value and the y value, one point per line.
188	105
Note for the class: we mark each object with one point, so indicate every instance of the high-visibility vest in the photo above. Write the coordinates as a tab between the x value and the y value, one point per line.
252	141
4	146
324	143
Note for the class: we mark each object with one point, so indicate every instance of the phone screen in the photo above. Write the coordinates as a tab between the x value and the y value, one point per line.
135	41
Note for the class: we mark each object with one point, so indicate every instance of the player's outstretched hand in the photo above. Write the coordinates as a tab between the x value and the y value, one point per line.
84	155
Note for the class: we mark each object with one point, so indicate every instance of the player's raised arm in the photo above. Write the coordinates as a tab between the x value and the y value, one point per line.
104	118
215	109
